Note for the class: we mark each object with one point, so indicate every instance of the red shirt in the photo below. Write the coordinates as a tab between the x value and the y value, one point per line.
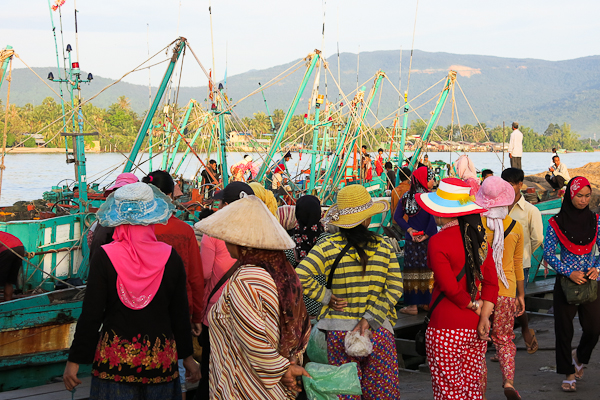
280	168
8	240
446	258
181	237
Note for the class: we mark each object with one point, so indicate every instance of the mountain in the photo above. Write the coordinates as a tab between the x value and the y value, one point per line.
532	92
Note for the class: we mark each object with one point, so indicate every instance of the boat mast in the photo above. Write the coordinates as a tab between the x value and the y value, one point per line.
315	145
137	145
268	112
182	129
288	116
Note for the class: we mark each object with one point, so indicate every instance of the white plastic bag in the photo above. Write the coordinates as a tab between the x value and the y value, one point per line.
357	345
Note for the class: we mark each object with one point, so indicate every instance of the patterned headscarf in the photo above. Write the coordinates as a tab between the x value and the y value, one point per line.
418	184
266	196
294	325
287	217
306	233
476	249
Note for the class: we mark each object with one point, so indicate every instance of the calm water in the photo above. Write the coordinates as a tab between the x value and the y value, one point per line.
27	176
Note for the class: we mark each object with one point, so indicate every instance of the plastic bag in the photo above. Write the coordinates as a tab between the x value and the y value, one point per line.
317	346
358	345
329	381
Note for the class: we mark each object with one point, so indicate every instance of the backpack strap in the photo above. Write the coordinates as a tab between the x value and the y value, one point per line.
335	264
441	296
223	279
510	228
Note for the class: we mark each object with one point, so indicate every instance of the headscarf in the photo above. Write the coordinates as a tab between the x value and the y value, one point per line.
465	168
294	324
495	221
418	184
473	235
139	260
287	217
576	229
266	196
308	215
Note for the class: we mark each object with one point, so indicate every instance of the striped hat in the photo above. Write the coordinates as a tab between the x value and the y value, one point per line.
451	199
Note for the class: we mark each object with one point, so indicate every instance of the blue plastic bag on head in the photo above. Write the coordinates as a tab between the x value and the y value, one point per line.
317	346
329	381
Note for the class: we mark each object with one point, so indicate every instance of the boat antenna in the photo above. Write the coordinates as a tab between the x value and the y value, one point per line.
323	49
338	50
149	69
212	40
412	49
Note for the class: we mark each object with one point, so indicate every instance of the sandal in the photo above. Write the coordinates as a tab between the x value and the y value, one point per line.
407	311
511	393
533	346
578	367
569	386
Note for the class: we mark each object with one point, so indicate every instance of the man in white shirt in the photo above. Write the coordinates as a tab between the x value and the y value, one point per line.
530	218
560	174
515	146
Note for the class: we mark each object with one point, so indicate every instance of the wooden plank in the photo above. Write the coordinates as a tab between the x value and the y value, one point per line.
540	287
53	391
407	321
538	303
406	347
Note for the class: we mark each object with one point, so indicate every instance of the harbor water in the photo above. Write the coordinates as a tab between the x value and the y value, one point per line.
27	176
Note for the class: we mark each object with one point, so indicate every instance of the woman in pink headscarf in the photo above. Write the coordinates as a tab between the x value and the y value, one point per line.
465	168
135	322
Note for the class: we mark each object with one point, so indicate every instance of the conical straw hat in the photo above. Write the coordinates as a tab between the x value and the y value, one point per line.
247	222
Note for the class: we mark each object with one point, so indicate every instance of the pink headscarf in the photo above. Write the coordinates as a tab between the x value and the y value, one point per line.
465	168
139	260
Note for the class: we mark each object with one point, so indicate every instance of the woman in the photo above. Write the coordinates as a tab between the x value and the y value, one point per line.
418	228
575	230
218	267
366	285
136	294
287	218
465	168
266	196
259	324
465	291
12	254
507	239
306	234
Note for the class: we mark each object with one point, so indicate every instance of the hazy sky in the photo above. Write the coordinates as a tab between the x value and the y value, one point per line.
264	33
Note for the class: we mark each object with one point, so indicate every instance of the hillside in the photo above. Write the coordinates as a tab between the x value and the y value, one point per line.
533	92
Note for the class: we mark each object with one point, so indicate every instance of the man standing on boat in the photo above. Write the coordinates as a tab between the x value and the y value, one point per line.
515	147
280	171
559	174
210	176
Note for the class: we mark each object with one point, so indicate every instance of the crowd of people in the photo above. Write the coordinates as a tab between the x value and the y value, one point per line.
264	274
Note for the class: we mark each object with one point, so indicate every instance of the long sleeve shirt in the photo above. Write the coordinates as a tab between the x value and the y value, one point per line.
568	262
512	259
515	146
530	218
133	346
561	170
446	258
371	295
421	221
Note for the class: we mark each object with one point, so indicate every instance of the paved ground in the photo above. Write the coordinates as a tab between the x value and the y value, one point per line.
535	377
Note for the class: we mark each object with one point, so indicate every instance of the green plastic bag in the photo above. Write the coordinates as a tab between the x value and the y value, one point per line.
317	346
329	381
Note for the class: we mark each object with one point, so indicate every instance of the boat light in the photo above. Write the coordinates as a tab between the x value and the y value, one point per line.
69	48
306	116
90	76
75	65
50	76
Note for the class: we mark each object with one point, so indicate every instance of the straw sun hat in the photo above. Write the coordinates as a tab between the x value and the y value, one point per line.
247	222
354	205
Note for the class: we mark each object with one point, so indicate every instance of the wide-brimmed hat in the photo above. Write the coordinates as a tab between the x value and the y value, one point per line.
123	179
136	204
451	199
495	192
354	205
247	222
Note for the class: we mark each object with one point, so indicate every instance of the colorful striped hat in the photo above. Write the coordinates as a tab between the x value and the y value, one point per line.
451	199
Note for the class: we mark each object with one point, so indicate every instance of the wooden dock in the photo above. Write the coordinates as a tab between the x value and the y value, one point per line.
53	391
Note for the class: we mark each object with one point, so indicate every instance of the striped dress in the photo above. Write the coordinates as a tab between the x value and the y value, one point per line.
244	336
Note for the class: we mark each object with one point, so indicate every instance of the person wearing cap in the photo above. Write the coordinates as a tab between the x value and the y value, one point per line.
507	241
365	285
259	325
134	322
279	171
217	264
575	229
418	228
464	294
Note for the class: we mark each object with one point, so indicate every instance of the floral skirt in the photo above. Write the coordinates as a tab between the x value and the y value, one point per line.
102	389
418	278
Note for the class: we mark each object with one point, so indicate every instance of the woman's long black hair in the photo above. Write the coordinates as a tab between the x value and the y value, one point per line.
359	237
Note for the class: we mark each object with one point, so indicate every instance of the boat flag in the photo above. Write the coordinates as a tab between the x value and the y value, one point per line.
58	4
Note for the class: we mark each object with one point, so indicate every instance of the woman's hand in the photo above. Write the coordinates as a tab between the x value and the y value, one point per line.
578	277
362	326
420	238
483	328
592	274
290	378
520	305
70	375
192	370
196	328
337	303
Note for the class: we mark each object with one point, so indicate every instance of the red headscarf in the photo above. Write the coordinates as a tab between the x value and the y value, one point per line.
139	260
576	229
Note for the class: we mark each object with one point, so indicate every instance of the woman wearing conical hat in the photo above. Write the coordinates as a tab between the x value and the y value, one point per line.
259	327
361	291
